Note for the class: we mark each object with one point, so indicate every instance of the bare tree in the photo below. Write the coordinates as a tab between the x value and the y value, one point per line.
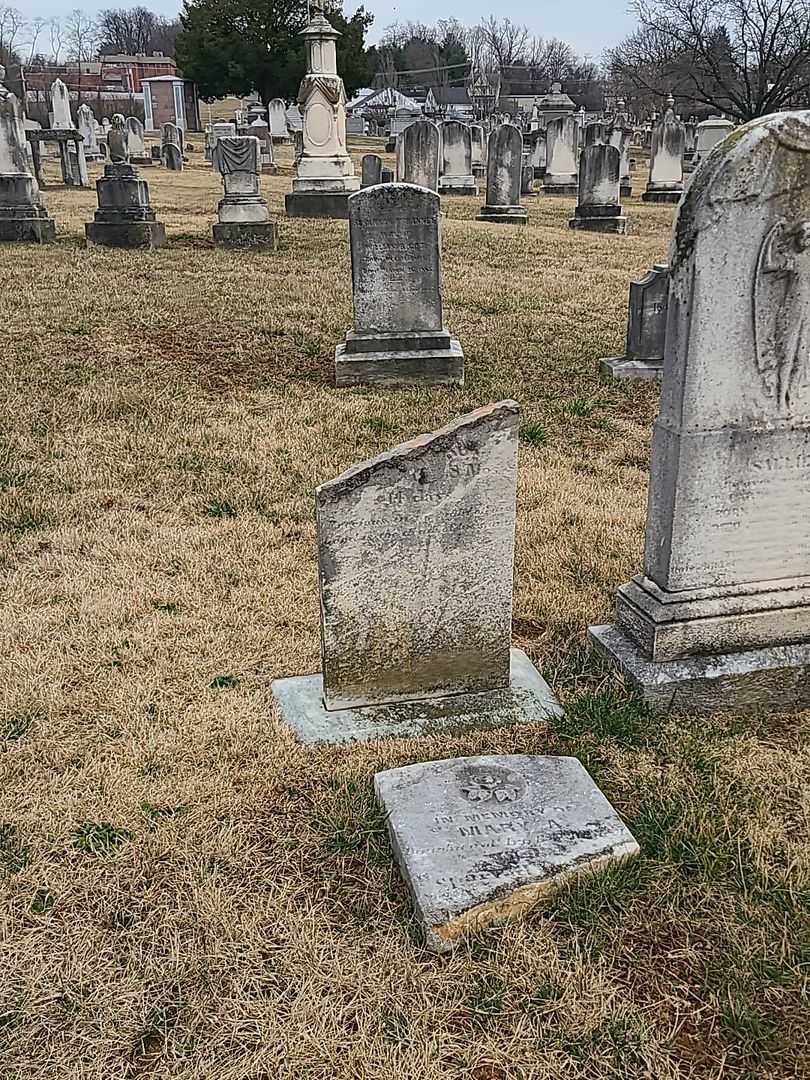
56	32
12	25
746	58
35	28
81	36
128	30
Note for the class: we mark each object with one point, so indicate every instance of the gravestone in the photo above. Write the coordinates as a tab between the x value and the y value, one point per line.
561	157
666	159
620	135
646	329
455	172
370	170
60	106
418	149
386	176
86	126
324	172
136	144
538	154
415	550
598	208
244	220
594	134
480	840
23	216
504	163
709	134
526	175
278	121
479	151
171	148
690	146
720	618
398	336
124	218
260	129
355	125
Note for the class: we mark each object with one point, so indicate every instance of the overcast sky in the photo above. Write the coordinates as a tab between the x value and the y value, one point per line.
589	25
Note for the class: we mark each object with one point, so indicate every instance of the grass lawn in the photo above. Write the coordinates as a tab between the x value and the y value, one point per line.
187	893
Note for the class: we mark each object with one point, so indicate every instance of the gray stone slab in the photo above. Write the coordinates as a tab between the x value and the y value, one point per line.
619	367
526	700
403	367
762	680
246	234
317	204
481	839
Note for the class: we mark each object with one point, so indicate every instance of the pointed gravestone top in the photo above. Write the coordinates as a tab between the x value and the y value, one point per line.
415	550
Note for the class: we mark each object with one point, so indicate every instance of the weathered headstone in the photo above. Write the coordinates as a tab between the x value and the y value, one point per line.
22	213
504	160
620	135
709	134
324	173
594	133
598	208
479	151
480	840
538	154
666	159
561	157
171	148
60	106
135	142
398	334
244	219
86	126
278	120
370	170
260	129
418	150
415	550
124	218
720	618
455	173
646	329
386	175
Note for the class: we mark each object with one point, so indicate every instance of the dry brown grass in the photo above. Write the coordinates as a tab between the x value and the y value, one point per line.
186	892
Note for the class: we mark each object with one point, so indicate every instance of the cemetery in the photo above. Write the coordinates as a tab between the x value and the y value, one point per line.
406	619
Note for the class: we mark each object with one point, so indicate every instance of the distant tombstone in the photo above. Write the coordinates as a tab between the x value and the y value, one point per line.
370	170
171	150
260	129
646	329
598	208
594	134
398	336
23	216
256	111
538	154
620	135
709	134
480	840
561	157
277	117
455	175
479	151
504	161
218	130
355	125
720	618
418	155
86	126
666	159
244	220
135	141
60	106
526	175
415	550
124	218
386	175
294	119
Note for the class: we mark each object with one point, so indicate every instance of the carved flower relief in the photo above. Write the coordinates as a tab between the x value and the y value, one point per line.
497	785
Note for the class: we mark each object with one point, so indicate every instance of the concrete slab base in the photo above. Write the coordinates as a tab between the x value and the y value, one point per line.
528	700
503	215
561	189
762	680
317	204
28	230
246	234
426	367
130	234
621	367
662	196
617	225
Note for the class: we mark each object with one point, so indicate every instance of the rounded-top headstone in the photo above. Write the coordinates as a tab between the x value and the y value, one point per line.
418	155
504	166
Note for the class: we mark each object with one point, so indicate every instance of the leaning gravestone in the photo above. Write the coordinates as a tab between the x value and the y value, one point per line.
598	208
720	618
124	218
666	159
561	157
244	220
370	170
22	213
479	840
135	142
171	148
418	150
646	329
415	549
398	336
504	158
456	175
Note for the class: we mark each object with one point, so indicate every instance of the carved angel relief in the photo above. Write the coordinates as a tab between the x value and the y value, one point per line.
781	312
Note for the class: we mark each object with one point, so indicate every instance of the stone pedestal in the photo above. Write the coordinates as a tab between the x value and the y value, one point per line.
398	335
244	219
22	216
124	218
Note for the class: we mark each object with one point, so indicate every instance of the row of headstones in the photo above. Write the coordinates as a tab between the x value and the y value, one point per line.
415	552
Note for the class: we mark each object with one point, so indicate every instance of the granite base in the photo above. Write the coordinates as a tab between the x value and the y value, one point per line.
246	234
28	230
128	234
758	681
317	204
528	700
671	197
561	189
400	367
621	367
616	225
503	215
